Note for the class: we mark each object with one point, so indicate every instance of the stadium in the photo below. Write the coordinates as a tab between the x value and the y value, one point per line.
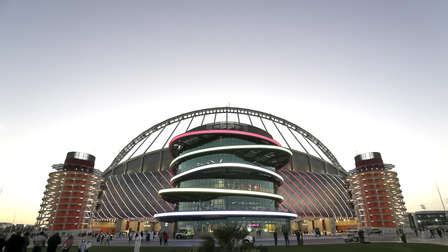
207	167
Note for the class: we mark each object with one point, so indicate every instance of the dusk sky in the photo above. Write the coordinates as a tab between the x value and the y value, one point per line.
91	75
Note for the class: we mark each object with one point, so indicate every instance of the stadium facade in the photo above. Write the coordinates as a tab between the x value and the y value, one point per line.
225	165
424	220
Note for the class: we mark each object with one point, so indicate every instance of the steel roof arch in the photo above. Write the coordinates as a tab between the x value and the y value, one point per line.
217	110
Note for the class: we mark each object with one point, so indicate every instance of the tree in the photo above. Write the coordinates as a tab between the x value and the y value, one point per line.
229	236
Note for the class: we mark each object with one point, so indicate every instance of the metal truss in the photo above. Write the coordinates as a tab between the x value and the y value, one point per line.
136	195
140	139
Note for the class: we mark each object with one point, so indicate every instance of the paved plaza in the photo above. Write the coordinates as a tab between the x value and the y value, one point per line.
308	240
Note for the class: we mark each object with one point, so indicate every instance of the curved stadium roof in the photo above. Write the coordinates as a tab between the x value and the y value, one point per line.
288	134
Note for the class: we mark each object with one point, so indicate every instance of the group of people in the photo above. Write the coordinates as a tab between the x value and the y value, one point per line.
132	236
439	233
103	238
147	236
40	240
138	237
16	242
19	243
297	233
430	232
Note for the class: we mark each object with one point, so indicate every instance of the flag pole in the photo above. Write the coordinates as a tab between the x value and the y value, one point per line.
440	196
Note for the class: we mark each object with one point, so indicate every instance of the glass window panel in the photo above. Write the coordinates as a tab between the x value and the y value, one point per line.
234	184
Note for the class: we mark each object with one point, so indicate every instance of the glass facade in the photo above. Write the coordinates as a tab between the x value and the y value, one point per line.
234	208
233	126
229	203
215	158
264	224
221	141
431	218
235	184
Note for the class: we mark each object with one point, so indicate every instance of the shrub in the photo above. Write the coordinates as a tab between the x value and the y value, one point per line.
229	237
208	244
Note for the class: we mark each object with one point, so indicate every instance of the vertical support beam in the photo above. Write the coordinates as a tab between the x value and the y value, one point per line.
144	140
160	132
125	164
141	163
203	118
189	124
163	146
284	139
153	141
313	148
250	120
264	126
303	147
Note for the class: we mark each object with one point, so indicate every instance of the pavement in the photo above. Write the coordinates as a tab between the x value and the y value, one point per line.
265	241
438	241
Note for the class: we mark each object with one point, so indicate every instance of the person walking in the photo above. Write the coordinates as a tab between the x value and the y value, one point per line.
14	243
431	232
361	236
165	238
138	242
26	241
108	239
68	243
2	241
53	242
439	232
39	242
275	238
83	246
286	236
102	236
298	236
403	236
160	238
88	245
130	238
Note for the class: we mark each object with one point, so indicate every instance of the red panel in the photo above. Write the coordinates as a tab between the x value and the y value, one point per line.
72	200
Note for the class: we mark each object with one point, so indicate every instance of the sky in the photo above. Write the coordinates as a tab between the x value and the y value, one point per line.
91	75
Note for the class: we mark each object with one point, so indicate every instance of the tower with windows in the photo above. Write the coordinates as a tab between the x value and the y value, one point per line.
226	173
